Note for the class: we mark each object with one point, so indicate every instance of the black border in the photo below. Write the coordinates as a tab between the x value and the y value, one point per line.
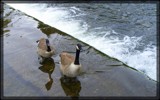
1	45
80	1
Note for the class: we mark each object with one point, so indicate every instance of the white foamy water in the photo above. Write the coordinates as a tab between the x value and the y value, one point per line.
122	49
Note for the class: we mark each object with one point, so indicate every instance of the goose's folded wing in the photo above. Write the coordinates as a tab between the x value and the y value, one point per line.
66	59
42	44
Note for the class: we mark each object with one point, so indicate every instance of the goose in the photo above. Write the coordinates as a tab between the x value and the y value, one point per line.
44	49
70	65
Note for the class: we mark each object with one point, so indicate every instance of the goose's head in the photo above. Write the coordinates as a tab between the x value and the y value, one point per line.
78	47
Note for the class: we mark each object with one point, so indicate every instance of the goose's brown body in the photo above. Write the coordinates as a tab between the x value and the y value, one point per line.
68	67
42	49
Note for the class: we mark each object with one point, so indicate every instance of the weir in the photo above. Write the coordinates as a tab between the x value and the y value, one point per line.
102	75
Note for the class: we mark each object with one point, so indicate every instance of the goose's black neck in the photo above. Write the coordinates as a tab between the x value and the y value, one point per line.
48	48
76	62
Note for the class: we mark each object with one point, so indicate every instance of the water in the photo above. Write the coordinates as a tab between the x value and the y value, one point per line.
123	31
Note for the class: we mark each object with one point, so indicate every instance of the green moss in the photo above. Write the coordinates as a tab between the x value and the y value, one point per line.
48	29
5	31
6	22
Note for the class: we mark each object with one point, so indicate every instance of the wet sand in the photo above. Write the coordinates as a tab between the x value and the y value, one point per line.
24	76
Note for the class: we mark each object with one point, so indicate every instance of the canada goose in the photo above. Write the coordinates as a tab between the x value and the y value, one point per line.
70	65
44	49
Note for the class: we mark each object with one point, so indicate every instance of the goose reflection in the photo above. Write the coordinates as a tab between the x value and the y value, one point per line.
48	66
71	87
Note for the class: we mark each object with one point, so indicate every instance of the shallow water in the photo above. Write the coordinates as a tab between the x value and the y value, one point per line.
102	75
124	31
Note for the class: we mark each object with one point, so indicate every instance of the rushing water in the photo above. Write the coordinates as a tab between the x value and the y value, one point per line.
123	31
